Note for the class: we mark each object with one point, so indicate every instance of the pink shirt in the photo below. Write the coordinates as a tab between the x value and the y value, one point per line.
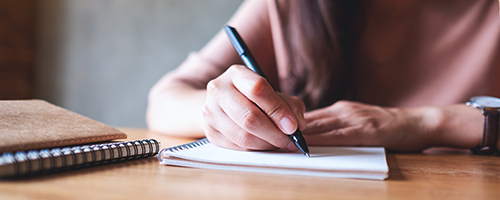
427	53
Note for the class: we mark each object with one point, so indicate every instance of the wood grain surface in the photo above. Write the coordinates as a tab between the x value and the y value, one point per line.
435	174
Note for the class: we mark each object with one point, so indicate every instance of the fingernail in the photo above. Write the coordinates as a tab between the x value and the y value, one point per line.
287	125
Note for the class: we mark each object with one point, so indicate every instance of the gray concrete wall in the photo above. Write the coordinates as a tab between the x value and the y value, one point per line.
99	58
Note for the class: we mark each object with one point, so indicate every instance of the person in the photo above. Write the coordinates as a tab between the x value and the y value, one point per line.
347	73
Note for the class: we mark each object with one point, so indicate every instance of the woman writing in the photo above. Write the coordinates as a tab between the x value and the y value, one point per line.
376	73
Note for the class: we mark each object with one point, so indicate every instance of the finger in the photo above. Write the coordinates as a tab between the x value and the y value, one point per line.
323	125
350	136
244	114
316	115
251	119
224	131
339	109
258	90
298	108
217	138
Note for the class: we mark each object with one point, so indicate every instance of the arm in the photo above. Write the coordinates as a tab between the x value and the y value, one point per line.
176	101
400	129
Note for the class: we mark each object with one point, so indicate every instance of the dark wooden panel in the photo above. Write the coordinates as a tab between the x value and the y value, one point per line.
17	39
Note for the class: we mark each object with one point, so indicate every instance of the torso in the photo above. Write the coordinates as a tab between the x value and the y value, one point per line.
430	53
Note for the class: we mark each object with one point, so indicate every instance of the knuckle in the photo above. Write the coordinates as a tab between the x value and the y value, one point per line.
250	119
343	103
258	86
206	111
372	122
297	101
340	134
235	68
231	69
278	109
319	125
213	85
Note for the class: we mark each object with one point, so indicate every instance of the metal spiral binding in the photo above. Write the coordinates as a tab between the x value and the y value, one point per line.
190	145
56	159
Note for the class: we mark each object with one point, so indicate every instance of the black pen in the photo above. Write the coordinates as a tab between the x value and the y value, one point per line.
251	63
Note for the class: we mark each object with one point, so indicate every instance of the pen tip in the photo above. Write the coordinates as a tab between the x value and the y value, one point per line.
307	154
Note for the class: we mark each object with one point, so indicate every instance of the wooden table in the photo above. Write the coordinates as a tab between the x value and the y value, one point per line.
436	174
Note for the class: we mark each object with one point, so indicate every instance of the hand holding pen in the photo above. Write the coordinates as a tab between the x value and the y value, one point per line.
242	111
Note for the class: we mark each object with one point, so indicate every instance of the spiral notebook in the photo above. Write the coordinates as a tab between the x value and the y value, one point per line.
35	162
37	136
341	162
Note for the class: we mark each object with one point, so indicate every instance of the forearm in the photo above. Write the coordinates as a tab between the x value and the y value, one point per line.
177	111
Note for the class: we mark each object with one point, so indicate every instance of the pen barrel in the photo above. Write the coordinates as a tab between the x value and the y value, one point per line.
251	63
299	141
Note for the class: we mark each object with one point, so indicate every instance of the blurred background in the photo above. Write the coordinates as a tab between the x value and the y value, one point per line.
99	58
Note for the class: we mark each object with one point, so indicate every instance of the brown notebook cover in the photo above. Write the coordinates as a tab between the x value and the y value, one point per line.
36	124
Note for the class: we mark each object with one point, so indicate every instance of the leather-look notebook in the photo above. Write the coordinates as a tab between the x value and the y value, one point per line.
37	137
36	124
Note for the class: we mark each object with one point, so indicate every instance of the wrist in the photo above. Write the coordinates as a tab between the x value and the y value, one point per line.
421	122
456	126
430	121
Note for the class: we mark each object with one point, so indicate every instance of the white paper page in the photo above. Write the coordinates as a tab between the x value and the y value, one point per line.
356	175
368	159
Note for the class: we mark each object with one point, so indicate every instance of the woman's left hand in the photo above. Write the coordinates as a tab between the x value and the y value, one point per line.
355	124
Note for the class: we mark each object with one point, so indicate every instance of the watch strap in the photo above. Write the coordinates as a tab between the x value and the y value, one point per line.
491	131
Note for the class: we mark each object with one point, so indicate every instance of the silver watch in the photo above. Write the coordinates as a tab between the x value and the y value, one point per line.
490	106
